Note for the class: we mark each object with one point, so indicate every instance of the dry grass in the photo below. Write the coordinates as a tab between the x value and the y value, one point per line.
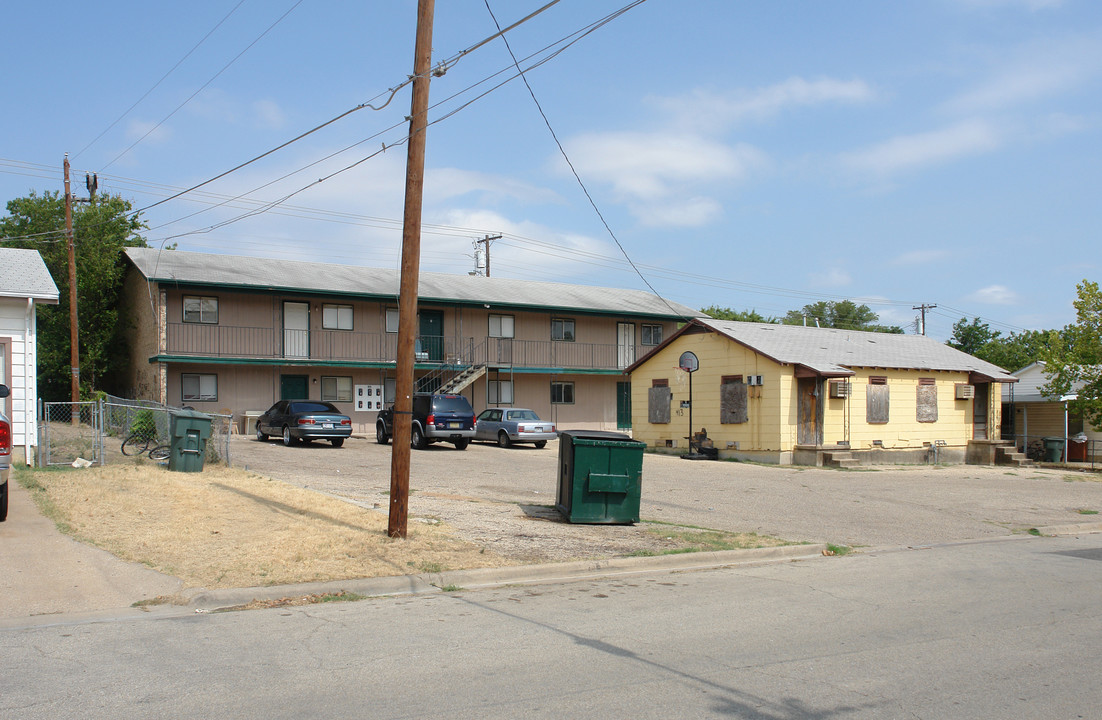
226	527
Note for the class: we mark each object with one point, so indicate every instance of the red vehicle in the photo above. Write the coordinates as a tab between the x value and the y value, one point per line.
5	457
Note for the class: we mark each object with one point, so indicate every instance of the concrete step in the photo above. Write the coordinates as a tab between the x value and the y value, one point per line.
1007	455
840	459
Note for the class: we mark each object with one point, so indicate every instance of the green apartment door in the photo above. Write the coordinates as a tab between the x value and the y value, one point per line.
623	405
293	387
431	340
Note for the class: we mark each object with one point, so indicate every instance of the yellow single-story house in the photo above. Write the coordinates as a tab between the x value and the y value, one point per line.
805	395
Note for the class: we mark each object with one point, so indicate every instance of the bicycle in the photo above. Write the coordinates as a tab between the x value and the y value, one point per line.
144	443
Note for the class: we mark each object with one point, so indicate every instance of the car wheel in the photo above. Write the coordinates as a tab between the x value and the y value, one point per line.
462	443
417	438
503	439
380	434
3	502
337	442
287	439
260	434
540	444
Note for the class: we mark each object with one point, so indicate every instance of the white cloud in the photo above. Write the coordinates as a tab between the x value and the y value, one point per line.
994	295
148	131
921	257
268	114
906	152
709	108
830	278
691	212
448	183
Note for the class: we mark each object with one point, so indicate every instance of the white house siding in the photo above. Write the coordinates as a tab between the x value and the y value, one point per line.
17	333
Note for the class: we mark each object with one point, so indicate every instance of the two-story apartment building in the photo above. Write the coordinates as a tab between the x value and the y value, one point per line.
220	332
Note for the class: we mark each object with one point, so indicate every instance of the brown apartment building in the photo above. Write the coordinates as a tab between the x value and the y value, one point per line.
222	333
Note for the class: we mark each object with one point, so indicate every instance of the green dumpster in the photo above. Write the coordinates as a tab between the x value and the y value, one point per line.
1054	449
189	431
600	477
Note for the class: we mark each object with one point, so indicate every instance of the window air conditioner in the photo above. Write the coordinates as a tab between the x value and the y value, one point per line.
839	389
965	391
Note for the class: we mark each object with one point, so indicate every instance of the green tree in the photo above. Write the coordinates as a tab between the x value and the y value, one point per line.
100	232
844	315
972	337
1076	357
714	311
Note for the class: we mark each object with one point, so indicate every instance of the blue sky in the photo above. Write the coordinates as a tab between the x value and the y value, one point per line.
754	155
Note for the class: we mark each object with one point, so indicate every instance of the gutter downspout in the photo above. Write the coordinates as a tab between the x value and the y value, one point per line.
30	385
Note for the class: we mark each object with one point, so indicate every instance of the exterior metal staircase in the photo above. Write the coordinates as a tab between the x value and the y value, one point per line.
461	380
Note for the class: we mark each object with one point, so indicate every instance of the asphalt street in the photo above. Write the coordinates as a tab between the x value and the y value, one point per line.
985	629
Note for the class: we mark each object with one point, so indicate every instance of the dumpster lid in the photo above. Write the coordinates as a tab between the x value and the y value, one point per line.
184	413
597	435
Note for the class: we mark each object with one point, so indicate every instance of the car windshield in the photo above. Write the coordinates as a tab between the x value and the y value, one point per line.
312	407
457	404
523	415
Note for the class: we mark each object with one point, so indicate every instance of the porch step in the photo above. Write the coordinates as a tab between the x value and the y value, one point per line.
1008	455
463	380
840	459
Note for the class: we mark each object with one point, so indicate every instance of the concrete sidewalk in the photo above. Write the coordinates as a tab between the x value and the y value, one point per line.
43	572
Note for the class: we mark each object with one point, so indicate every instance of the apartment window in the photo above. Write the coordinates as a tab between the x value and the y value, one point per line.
562	393
562	329
201	310
197	387
732	400
392	320
650	335
336	317
658	401
499	392
336	389
876	401
501	326
926	400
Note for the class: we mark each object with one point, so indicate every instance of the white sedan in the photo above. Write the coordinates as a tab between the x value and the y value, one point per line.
506	426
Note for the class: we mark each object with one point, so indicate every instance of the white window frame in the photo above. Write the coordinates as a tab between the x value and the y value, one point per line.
336	317
392	320
561	324
336	388
499	392
563	387
210	380
203	307
501	326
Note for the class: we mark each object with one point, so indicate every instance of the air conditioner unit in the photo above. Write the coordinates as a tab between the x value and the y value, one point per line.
965	391
753	380
839	389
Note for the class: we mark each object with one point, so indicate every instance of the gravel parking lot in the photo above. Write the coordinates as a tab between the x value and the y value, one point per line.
501	497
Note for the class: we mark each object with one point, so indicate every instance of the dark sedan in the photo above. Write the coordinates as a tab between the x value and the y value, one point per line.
303	421
506	426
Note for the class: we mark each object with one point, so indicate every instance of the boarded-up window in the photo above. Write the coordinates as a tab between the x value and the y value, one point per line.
658	407
732	400
876	401
926	401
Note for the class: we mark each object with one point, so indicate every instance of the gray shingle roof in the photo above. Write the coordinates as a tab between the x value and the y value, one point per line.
297	276
833	352
24	275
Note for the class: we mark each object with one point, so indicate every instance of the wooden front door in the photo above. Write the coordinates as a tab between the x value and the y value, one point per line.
809	411
979	411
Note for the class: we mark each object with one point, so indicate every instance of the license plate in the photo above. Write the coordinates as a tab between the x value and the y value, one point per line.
327	426
455	425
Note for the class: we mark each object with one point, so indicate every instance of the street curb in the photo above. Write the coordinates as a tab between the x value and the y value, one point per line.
1071	529
481	578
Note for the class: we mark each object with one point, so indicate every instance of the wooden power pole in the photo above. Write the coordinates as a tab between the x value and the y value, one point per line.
488	239
411	260
74	335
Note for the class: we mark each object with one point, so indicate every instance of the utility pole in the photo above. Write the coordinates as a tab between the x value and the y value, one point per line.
923	307
488	239
411	259
74	349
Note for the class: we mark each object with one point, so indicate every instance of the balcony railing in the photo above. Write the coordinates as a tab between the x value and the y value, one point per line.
225	341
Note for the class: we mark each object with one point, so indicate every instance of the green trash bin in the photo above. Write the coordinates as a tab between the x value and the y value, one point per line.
1054	449
600	477
189	432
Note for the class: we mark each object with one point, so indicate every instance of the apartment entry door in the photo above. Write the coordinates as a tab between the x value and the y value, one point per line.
296	329
431	341
625	344
294	387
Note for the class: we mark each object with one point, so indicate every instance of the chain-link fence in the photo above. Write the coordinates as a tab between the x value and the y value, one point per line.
69	432
103	426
